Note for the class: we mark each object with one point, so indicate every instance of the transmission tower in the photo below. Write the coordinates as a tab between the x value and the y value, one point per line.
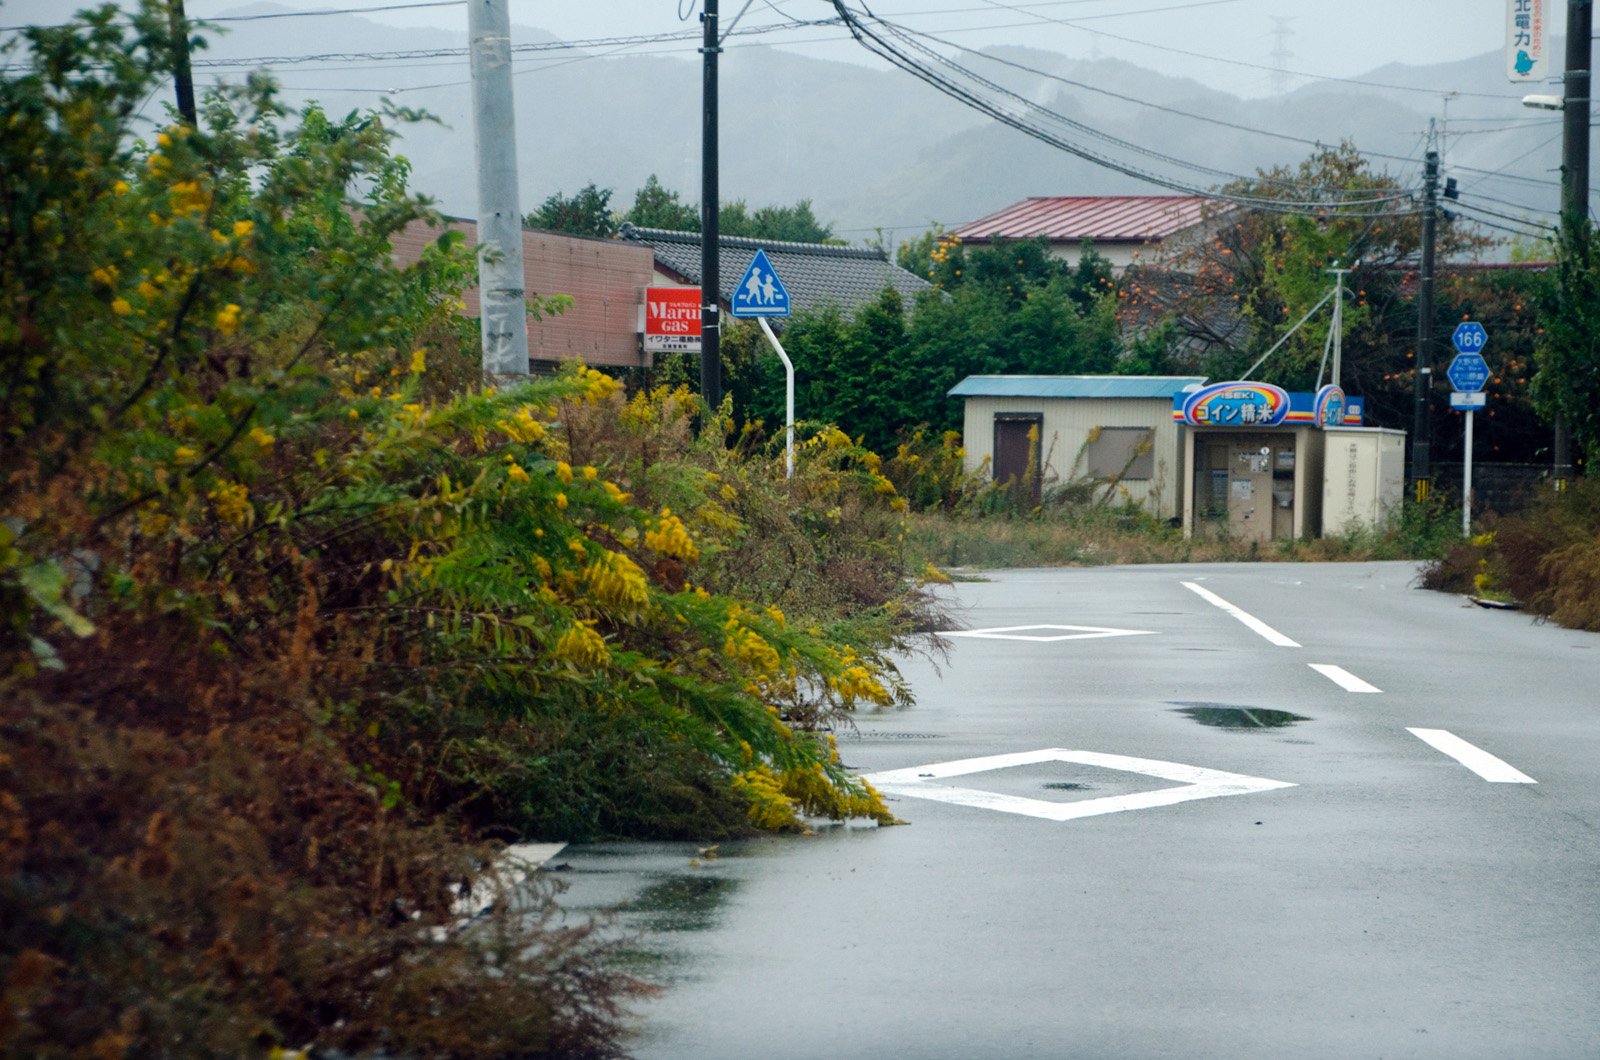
1281	54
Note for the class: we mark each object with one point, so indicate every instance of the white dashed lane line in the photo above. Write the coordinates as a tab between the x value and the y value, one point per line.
1476	759
1343	678
1248	619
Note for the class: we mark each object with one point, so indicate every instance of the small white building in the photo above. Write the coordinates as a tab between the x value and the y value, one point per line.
1243	459
1041	430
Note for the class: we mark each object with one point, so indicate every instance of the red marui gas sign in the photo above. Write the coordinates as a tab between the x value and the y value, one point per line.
672	319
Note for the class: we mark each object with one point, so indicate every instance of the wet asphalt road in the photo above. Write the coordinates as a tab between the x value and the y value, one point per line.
1391	903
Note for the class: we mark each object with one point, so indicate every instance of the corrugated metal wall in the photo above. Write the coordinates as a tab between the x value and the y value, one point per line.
1065	431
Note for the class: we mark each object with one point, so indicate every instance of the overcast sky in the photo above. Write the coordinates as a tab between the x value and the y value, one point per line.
1330	37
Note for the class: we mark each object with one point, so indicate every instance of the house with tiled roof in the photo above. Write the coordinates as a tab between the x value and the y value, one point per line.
605	279
1126	229
814	274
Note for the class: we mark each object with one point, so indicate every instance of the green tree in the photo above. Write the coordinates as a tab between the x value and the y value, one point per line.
656	207
791	224
1567	382
588	213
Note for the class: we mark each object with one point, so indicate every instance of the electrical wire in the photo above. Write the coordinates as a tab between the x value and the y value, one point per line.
1240	62
877	44
279	14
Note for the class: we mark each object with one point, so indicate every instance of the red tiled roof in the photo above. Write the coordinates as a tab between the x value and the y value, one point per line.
1099	217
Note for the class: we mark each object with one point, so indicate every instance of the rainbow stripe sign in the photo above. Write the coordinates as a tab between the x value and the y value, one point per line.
1236	405
1330	407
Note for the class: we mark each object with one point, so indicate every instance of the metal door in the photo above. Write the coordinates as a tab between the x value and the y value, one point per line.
1016	454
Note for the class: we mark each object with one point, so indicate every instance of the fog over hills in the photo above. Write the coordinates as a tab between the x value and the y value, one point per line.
876	147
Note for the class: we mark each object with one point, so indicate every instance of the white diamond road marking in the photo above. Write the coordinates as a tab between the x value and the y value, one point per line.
1198	783
1060	633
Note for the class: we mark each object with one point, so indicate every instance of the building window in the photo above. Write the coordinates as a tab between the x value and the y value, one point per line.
1123	453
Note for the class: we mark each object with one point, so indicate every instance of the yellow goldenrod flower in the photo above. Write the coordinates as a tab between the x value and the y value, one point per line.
184	454
261	437
515	472
228	319
561	500
243	228
231	503
121	307
120	188
419	361
564	472
582	647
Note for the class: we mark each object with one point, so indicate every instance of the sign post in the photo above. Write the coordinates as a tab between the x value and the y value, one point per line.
1467	373
761	294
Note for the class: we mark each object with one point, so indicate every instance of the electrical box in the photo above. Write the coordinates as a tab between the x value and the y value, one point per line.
1363	481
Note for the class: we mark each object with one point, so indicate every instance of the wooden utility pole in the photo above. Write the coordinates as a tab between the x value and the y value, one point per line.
180	62
1422	388
1574	168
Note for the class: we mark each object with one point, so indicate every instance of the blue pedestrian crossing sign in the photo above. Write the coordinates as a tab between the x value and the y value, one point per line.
760	293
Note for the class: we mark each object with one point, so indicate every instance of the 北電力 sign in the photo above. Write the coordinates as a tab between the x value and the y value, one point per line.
1527	40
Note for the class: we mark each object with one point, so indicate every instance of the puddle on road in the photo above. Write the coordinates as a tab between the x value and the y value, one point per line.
681	903
1070	787
1223	716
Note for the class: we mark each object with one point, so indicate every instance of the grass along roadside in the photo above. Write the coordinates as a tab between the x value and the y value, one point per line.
1101	536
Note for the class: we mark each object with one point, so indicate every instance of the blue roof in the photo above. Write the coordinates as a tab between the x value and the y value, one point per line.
1075	386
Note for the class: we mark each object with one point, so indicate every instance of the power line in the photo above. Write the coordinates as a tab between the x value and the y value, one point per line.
277	14
874	42
1240	62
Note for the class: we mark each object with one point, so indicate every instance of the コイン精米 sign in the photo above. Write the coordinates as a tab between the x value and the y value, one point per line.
1236	405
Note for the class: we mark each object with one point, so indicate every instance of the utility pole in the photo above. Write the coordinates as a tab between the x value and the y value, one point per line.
1422	391
1574	166
1338	324
180	62
710	236
502	299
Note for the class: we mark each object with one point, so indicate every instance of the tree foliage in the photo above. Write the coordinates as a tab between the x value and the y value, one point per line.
586	213
289	621
886	368
1567	384
657	207
1238	284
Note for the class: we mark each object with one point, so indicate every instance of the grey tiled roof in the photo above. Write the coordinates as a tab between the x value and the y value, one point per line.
814	274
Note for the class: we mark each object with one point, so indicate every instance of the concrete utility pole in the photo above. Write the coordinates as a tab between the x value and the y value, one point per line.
1337	329
503	313
1422	390
181	72
710	234
1574	165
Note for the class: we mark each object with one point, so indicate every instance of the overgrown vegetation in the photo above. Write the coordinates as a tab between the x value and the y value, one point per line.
291	622
1546	559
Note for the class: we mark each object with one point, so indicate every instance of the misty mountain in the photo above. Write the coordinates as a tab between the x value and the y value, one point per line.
876	147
